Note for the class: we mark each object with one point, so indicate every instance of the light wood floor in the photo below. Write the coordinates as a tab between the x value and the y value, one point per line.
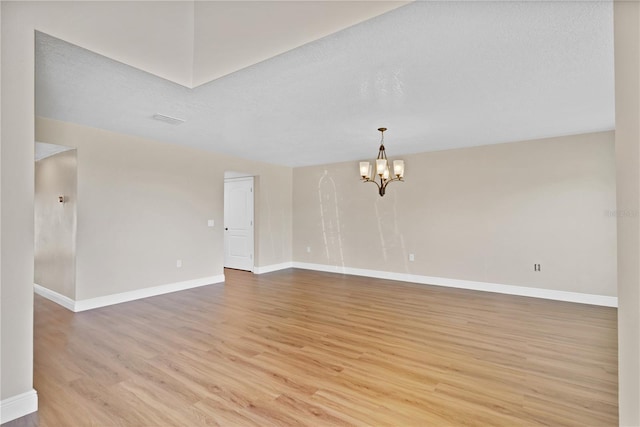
307	348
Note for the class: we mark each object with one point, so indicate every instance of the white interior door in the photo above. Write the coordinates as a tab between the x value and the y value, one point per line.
238	223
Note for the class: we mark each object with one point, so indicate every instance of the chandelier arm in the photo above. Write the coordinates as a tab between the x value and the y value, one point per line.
371	180
396	179
385	183
381	187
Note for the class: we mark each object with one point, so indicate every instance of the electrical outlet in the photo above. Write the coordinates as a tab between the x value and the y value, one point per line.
412	257
179	263
308	249
536	267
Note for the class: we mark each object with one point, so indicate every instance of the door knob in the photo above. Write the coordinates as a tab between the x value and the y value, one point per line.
226	229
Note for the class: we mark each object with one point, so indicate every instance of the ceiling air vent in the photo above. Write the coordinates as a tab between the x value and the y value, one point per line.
168	119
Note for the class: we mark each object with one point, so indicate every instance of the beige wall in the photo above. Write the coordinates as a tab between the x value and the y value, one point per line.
16	187
143	205
627	63
2	339
483	214
55	223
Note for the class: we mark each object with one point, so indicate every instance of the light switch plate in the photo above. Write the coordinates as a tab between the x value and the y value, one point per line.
210	223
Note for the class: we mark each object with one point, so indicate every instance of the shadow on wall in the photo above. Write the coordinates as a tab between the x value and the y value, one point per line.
330	220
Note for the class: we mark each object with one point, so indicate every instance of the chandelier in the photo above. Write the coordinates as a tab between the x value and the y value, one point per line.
383	175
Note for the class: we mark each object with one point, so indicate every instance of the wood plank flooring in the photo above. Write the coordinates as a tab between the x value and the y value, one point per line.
307	348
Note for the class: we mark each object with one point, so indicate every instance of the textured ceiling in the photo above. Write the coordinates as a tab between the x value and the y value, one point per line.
231	35
193	42
439	75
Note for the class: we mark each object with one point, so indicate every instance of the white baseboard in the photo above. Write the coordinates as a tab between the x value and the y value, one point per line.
82	305
602	300
91	303
59	299
272	267
18	406
88	304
